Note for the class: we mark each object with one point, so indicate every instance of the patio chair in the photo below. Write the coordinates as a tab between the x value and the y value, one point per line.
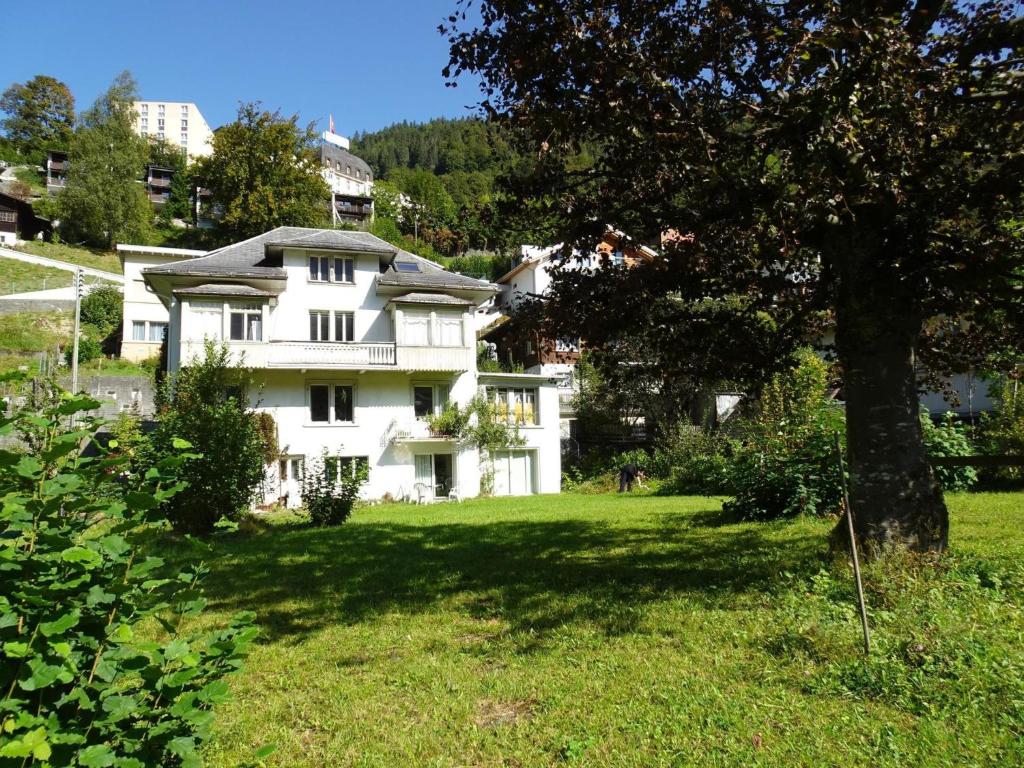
423	492
455	494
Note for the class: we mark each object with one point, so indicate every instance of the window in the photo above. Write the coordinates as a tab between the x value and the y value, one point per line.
429	399
618	258
157	331
144	108
184	124
206	320
319	269
8	216
320	326
516	405
160	122
160	134
160	110
138	330
450	331
416	329
344	270
344	326
246	322
407	266
567	345
331	403
145	123
184	110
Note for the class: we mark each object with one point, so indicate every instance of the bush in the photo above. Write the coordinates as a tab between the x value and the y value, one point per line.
949	439
1002	432
101	308
694	461
330	487
207	404
787	462
90	345
97	667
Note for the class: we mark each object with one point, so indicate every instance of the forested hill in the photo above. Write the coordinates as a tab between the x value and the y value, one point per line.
441	146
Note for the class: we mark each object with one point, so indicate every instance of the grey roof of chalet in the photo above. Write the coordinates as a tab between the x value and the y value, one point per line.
431	298
430	276
331	154
223	289
249	258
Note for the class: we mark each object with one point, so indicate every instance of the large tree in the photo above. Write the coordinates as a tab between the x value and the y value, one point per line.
40	115
264	173
858	162
103	201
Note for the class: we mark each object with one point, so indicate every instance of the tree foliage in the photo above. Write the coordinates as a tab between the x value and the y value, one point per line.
99	668
102	306
207	403
103	201
811	163
263	173
40	115
330	487
164	154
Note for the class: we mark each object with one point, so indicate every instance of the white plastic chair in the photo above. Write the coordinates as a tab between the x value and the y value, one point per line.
454	494
422	491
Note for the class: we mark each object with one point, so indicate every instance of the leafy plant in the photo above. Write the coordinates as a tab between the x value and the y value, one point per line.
207	403
98	666
330	487
90	344
947	438
101	308
787	463
1002	430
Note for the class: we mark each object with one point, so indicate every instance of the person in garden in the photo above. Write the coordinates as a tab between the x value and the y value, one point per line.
629	474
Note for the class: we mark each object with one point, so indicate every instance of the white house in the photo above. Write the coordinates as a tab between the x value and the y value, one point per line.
144	316
355	343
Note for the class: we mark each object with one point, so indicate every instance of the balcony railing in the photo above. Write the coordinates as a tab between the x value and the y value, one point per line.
305	354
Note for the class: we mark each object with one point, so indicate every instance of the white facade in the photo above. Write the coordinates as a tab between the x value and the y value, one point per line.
351	365
180	123
144	317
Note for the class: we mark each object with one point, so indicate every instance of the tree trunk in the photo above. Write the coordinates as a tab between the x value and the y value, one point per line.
894	494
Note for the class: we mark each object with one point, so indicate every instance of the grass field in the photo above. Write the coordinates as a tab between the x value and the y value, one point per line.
607	631
20	277
86	257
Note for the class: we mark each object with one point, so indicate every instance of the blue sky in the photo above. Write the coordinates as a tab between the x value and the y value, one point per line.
370	63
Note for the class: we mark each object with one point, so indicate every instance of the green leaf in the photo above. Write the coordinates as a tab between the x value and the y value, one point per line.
33	744
96	756
119	707
265	751
180	445
60	625
87	557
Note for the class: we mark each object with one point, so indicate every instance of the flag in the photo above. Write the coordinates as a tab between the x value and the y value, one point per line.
330	124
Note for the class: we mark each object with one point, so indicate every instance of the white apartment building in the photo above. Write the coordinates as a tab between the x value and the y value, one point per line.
349	177
355	344
144	317
178	122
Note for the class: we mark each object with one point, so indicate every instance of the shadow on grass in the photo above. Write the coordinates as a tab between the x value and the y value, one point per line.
532	575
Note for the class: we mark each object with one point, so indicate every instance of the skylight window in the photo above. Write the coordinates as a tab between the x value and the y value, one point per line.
407	266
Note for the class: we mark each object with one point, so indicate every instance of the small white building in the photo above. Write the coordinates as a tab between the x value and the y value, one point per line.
179	122
144	317
354	344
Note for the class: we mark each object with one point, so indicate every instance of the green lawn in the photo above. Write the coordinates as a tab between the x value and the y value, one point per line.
86	257
20	277
608	631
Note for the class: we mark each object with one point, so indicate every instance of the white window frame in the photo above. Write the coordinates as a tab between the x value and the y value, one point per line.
440	395
332	317
331	384
344	463
511	396
147	327
245	309
335	266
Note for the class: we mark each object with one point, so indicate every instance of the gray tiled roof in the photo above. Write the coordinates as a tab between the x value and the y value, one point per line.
431	298
249	257
331	154
223	289
430	275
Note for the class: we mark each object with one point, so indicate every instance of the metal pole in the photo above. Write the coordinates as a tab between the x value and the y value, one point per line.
78	317
853	547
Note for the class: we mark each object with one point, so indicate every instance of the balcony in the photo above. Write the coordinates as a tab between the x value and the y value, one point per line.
343	355
163	182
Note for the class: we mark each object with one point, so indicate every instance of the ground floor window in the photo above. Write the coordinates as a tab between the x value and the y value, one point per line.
338	467
435	472
331	403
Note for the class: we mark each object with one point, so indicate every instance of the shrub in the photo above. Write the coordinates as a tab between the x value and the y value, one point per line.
948	438
90	344
207	403
1002	431
330	487
97	667
787	462
101	308
694	460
